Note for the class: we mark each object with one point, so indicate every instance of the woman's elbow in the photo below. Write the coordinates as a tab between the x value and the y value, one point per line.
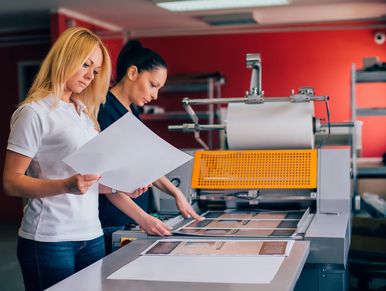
9	189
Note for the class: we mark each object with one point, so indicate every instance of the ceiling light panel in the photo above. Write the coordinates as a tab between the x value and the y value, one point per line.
324	12
201	5
229	19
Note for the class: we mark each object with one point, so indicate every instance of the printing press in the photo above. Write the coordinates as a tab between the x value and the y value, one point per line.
273	185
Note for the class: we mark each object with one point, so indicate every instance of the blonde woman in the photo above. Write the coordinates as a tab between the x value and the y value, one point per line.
60	232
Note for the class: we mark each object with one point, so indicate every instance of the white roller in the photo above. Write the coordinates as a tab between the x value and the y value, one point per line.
272	125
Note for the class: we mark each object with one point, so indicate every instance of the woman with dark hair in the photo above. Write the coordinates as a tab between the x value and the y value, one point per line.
140	74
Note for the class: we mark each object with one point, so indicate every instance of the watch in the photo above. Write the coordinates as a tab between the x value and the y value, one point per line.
114	191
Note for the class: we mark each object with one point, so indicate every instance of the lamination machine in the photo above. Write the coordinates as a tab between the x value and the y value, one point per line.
274	200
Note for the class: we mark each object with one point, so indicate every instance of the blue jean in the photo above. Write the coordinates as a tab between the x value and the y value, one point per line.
43	264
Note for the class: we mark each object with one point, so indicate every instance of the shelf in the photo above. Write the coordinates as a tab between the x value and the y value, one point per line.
192	83
379	111
177	88
372	172
367	170
371	168
369	76
206	85
174	115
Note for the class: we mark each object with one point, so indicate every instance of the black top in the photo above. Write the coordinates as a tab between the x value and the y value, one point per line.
110	215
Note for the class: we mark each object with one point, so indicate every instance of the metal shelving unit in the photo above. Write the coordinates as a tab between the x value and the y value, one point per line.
359	76
174	115
209	84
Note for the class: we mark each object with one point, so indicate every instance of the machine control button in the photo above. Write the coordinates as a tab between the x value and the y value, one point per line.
176	182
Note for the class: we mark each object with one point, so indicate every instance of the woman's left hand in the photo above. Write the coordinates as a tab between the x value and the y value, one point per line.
138	192
186	209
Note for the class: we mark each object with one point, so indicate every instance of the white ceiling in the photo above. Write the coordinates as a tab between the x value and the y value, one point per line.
143	18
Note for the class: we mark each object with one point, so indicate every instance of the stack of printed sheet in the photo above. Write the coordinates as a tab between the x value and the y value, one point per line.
244	224
208	261
220	260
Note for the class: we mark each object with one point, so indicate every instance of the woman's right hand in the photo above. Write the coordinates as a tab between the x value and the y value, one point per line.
154	226
79	184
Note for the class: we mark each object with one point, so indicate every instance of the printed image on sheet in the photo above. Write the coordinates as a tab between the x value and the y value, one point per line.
257	214
244	224
221	247
237	232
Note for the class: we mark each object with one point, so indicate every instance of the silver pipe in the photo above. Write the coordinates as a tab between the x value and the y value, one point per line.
338	124
191	112
189	127
215	100
255	84
210	110
187	101
200	141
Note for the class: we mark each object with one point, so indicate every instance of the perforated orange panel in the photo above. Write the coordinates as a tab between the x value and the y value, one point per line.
255	169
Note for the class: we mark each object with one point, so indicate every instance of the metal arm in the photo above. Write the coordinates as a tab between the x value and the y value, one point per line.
255	95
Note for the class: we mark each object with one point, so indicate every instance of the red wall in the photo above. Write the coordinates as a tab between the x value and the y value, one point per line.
320	59
60	22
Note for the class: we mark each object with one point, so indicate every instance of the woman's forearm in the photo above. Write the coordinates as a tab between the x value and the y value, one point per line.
17	184
168	187
20	185
148	223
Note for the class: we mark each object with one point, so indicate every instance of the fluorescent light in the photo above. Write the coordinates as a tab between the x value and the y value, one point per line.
324	12
196	5
229	19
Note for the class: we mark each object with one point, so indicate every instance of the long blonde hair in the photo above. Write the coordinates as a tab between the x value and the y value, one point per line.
64	59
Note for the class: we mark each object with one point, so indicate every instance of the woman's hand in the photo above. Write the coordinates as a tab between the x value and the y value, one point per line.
138	192
185	208
79	184
183	205
103	189
154	226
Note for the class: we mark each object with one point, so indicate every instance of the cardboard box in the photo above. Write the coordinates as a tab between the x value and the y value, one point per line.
376	186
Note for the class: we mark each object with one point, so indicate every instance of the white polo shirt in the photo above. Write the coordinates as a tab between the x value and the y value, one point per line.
48	134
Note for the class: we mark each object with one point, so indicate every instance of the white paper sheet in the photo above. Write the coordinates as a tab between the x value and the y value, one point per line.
237	270
258	269
127	155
